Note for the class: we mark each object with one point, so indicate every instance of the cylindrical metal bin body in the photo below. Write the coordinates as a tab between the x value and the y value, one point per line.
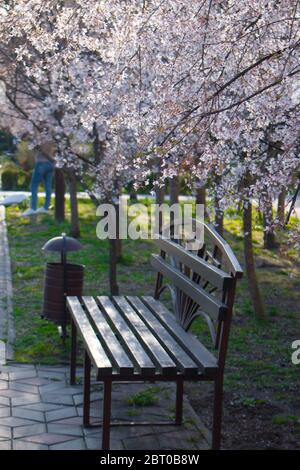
56	284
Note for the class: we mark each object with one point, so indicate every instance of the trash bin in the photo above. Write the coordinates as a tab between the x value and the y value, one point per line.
61	279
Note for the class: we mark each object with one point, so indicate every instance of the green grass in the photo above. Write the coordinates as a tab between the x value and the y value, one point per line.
285	419
147	397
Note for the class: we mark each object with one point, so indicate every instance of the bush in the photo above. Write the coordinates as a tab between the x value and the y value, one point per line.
14	178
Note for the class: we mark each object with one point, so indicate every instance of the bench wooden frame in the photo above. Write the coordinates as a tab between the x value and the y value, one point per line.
138	339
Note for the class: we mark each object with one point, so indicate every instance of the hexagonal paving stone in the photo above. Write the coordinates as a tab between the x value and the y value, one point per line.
94	442
12	421
19	444
4	401
42	406
3	375
95	412
21	387
11	393
75	420
53	369
57	398
25	398
4	411
51	375
51	387
78	399
48	438
34	381
5	445
30	430
76	444
17	366
67	412
22	374
5	432
33	415
71	390
3	384
68	429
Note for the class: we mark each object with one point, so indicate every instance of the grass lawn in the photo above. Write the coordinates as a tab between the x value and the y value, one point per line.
262	401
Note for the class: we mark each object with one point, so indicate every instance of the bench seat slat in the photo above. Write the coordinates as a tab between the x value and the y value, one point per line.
206	301
113	347
128	340
92	344
164	362
203	357
186	364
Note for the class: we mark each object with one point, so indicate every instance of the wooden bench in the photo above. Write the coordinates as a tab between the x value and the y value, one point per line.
129	338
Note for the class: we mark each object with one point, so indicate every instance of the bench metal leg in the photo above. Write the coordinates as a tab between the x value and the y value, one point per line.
179	401
86	390
217	418
73	353
106	414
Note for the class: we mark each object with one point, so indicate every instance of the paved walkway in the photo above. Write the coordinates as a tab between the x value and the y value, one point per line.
39	410
6	321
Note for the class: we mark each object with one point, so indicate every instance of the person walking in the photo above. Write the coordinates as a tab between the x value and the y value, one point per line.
43	171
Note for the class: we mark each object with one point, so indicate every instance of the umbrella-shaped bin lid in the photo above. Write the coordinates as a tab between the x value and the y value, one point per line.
62	243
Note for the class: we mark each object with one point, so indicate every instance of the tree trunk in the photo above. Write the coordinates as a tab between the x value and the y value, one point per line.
174	199
201	199
281	207
174	190
269	234
159	200
113	284
59	196
118	244
160	195
219	217
133	196
250	264
75	230
201	195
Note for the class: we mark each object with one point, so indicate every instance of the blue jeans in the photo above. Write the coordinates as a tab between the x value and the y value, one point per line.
43	171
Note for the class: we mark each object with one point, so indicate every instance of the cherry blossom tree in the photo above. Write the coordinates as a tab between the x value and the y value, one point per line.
162	86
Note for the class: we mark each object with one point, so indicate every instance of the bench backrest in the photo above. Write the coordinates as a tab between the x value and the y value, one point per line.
203	281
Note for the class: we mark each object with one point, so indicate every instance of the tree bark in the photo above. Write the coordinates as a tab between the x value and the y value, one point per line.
174	199
75	229
201	195
281	207
160	195
159	200
250	263
113	284
118	244
269	234
219	217
174	190
59	196
201	199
